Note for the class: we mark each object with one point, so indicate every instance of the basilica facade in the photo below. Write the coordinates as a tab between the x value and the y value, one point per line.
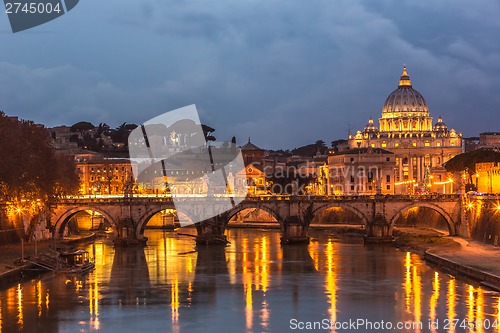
420	146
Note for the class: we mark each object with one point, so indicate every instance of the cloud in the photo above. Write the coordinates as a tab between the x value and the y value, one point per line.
285	73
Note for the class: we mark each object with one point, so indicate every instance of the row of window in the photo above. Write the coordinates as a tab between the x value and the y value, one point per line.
92	169
116	178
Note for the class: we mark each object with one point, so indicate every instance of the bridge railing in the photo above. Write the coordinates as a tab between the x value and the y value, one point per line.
102	199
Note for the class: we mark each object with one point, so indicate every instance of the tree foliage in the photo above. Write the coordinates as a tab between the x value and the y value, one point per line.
29	167
312	149
467	161
81	126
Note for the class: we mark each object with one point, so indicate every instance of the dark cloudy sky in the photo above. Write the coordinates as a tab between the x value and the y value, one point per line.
285	72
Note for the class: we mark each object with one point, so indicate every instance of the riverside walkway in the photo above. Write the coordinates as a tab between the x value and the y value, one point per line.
477	260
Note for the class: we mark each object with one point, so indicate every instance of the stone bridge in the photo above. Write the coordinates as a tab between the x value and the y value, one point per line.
129	216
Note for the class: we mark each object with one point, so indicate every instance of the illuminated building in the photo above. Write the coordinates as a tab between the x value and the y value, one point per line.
407	130
362	171
252	176
488	177
489	140
100	175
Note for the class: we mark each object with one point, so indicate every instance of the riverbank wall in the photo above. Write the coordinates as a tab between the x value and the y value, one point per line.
484	278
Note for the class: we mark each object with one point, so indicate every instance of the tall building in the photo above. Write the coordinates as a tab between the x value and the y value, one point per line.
420	146
361	171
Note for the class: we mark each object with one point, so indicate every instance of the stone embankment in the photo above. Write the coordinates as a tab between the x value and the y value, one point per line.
470	259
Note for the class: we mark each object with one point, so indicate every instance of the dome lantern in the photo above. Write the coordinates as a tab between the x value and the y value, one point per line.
404	80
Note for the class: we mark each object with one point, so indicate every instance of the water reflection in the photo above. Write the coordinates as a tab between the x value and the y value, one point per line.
129	279
211	272
254	285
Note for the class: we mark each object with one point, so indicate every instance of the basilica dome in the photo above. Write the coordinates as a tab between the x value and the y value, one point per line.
405	101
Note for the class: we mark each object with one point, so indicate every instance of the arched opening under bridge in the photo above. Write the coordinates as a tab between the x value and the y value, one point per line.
84	221
423	218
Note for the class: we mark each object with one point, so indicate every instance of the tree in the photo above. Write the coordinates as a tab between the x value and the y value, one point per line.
82	126
29	168
121	133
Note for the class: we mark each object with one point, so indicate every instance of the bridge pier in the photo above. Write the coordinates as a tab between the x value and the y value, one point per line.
379	231
294	231
211	231
127	234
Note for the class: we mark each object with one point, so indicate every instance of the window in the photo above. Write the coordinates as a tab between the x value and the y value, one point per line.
384	145
352	159
388	178
438	144
427	144
388	187
387	159
396	145
373	145
352	179
414	144
352	187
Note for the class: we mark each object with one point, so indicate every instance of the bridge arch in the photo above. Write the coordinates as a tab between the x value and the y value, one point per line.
436	208
316	211
63	220
147	215
242	207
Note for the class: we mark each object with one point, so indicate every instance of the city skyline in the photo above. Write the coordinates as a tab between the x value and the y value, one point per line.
284	73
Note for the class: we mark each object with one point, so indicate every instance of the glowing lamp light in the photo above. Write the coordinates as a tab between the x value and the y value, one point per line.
470	205
18	210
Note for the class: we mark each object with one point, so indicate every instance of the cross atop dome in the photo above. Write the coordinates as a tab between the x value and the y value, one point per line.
404	81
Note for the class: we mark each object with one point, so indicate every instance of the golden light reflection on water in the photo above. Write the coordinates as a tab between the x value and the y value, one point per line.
254	262
417	289
38	291
479	316
93	295
1	318
498	315
434	301
407	282
314	253
451	302
331	281
20	315
413	289
248	306
264	264
174	304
